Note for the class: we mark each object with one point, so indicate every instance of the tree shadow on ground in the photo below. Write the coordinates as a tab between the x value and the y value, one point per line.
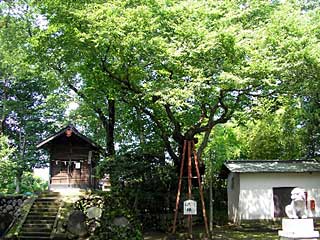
246	231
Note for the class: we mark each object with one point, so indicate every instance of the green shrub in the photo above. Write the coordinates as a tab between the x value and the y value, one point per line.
114	205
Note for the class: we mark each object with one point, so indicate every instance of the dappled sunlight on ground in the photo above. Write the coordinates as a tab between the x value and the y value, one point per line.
250	231
69	195
69	191
154	236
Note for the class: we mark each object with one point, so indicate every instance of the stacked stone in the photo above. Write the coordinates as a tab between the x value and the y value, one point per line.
9	209
86	217
89	201
11	205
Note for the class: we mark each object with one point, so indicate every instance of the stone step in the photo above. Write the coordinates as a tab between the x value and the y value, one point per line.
36	229
39	217
42	215
44	207
47	199
43	210
36	234
33	237
46	203
39	221
50	194
40	225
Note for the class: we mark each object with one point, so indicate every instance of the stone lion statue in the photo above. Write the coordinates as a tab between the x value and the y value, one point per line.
297	207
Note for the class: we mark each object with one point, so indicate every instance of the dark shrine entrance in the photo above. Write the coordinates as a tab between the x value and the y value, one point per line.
72	159
281	198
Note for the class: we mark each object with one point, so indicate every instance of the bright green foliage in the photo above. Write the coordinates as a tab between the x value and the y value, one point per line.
5	149
274	133
28	102
32	184
186	65
275	130
178	57
223	145
7	168
177	69
8	171
174	70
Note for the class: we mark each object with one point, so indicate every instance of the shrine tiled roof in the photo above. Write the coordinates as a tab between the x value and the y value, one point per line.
271	166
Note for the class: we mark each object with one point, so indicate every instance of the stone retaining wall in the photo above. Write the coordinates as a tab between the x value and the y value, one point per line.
9	210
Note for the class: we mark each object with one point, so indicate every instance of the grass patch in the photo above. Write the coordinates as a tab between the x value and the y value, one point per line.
247	231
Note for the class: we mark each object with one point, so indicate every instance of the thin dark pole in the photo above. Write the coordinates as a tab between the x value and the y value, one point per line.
201	190
189	186
179	187
190	149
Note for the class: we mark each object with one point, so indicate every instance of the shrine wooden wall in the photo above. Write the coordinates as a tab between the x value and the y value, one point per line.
65	156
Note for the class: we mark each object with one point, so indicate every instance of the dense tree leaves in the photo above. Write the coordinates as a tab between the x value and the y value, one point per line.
187	67
276	130
151	74
7	173
274	133
28	102
147	182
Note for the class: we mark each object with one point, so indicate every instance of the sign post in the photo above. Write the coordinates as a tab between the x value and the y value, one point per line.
190	207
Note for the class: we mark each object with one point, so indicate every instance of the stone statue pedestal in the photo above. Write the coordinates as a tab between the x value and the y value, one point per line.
298	229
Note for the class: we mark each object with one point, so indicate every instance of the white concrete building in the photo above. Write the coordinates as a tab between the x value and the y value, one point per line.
262	189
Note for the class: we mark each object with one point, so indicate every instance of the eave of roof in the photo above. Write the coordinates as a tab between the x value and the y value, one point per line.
270	166
43	143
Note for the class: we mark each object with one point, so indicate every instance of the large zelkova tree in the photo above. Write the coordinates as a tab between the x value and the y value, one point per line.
185	66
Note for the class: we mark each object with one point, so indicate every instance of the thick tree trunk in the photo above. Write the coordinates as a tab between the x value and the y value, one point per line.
111	124
108	122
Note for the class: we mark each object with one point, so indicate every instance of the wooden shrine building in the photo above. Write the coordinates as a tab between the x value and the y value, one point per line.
73	158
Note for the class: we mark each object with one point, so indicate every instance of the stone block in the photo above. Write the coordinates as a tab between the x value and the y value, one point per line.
298	229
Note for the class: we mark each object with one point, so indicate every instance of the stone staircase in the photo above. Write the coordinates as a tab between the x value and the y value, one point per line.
41	218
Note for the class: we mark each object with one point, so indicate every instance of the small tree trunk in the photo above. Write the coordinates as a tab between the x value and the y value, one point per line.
3	105
211	203
18	182
22	150
211	191
141	127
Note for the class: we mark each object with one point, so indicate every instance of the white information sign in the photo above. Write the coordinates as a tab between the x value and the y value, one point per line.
190	207
78	165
